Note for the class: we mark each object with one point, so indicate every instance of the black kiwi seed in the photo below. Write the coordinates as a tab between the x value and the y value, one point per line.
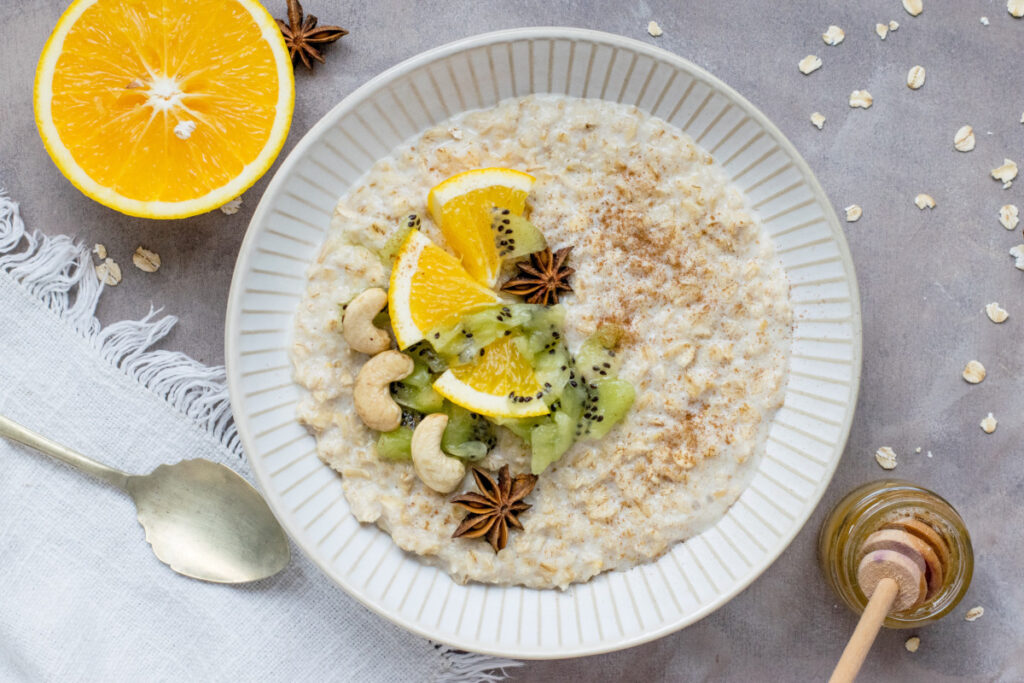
437	335
481	352
508	332
607	365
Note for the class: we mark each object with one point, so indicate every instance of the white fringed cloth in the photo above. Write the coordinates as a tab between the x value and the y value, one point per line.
82	597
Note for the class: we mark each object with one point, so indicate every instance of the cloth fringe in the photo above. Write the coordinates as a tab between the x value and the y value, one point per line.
59	272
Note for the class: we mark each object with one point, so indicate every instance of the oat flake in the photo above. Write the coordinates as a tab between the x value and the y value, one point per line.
974	613
974	372
861	98
913	7
818	119
913	642
1015	8
833	36
963	140
100	251
924	201
1009	216
894	25
654	29
232	207
886	458
988	425
109	273
809	64
996	313
915	77
146	260
984	21
853	213
882	30
1017	253
1005	173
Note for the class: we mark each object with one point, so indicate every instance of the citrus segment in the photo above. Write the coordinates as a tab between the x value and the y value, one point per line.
430	288
461	207
499	383
164	110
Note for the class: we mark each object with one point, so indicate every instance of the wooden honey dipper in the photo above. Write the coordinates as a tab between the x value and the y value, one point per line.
902	565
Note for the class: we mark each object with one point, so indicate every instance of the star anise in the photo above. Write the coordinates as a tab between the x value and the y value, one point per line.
302	36
496	507
542	278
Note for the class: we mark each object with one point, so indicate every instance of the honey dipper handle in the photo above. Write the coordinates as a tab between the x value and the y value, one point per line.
864	635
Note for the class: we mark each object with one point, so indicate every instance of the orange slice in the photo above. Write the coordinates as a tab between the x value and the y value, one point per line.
499	383
461	207
164	109
430	288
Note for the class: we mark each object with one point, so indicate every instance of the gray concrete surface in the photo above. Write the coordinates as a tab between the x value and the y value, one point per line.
925	276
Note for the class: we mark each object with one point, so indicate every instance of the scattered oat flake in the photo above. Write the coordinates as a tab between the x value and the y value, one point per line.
654	29
809	64
232	207
963	140
974	613
996	313
184	129
146	260
974	372
894	25
1015	8
915	77
913	7
882	30
818	119
984	21
1009	216
100	251
1005	173
834	35
861	98
988	425
853	213
1022	118
913	642
886	457
917	450
1017	253
924	201
109	272
456	133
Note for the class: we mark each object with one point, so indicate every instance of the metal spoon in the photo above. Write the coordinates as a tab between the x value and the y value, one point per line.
202	519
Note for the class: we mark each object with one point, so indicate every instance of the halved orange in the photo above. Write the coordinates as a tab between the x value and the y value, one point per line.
164	109
430	288
461	206
500	383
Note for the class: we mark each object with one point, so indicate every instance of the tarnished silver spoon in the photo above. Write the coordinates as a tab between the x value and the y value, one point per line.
202	519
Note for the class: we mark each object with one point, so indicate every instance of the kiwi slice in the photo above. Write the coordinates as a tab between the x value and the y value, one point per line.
514	236
597	358
389	252
550	440
396	444
461	343
468	436
416	391
422	352
608	401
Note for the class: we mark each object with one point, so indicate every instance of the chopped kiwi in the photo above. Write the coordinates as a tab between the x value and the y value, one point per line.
389	252
468	436
608	401
396	444
462	342
550	440
416	391
597	358
514	236
422	352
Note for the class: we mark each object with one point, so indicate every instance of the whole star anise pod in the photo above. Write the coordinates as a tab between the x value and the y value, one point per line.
302	36
496	507
542	278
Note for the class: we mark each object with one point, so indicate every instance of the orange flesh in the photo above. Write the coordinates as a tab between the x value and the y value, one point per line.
465	222
202	61
441	279
501	369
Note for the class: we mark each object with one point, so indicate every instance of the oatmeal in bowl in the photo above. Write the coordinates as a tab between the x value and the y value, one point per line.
542	341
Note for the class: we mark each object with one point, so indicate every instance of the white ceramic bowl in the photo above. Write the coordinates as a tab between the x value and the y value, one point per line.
613	610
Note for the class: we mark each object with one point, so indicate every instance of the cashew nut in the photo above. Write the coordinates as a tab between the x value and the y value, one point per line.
357	323
440	472
372	392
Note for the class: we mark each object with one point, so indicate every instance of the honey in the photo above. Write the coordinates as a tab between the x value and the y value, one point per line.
870	508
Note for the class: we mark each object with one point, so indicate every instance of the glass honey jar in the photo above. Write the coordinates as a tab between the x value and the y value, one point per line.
882	504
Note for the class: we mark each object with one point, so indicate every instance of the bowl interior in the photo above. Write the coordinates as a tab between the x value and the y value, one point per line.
613	610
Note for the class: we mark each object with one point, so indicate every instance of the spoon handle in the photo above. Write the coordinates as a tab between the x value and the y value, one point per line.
13	430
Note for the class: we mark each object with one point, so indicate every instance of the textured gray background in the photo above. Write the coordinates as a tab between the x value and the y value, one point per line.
924	276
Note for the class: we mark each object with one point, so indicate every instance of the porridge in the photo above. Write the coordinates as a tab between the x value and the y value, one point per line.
664	250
